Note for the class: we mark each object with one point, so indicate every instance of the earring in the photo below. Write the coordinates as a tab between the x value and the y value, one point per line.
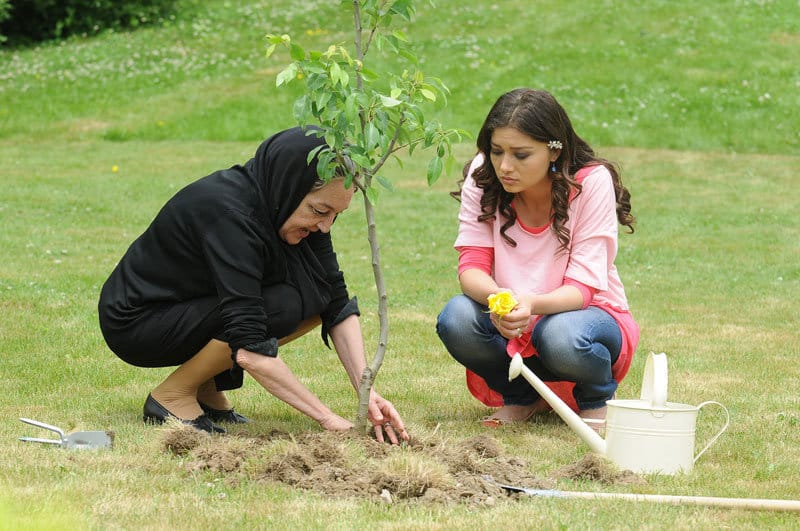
553	168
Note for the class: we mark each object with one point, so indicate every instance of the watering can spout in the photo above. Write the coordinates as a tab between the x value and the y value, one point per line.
589	436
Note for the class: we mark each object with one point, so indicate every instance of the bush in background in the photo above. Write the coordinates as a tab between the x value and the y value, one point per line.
4	14
30	21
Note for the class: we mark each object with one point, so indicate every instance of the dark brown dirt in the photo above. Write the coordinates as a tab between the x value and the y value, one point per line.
424	470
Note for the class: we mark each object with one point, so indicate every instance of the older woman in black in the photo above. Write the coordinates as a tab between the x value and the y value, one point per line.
234	265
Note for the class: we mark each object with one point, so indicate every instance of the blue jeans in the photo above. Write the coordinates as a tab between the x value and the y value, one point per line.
576	346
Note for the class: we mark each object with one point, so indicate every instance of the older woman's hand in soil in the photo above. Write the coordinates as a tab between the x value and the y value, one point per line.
334	422
385	418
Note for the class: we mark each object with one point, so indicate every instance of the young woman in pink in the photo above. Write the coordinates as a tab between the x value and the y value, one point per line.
539	218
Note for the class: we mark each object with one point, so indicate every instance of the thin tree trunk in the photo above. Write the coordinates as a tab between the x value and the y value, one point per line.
371	370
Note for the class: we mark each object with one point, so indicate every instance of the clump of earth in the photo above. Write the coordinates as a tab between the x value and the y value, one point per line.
429	469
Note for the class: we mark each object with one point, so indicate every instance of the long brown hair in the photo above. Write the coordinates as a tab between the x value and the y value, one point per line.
537	114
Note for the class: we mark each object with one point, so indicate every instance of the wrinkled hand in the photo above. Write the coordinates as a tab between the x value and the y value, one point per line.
515	323
334	422
385	418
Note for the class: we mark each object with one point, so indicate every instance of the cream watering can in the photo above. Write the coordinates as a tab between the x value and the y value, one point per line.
649	435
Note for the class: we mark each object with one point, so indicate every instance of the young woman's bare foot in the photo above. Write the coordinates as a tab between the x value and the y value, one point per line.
595	418
511	414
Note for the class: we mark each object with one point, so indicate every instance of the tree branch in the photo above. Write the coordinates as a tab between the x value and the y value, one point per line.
389	150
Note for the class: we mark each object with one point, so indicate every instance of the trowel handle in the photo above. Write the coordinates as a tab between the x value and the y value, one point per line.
40	440
715	437
43	425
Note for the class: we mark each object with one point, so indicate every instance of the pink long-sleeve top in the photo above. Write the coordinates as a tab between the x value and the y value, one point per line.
535	265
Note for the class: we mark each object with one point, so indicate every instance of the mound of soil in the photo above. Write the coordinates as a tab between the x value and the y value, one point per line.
597	468
424	470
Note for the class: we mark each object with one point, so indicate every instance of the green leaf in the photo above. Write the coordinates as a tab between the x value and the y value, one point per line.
322	100
325	170
404	8
450	164
408	55
331	139
351	107
386	183
286	75
296	52
379	41
372	195
313	153
336	73
371	136
326	157
368	75
429	94
362	161
302	109
344	78
434	170
392	42
389	102
315	81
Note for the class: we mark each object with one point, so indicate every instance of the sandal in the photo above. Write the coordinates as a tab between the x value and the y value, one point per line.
595	418
598	425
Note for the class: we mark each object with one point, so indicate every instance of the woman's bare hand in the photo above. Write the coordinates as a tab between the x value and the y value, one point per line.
385	419
334	422
513	324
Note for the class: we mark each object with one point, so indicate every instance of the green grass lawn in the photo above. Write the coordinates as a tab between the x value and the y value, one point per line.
697	101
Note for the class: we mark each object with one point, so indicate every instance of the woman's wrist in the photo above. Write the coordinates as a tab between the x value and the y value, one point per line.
529	300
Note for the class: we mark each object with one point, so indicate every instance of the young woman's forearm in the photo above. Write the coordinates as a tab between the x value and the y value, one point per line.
563	299
477	285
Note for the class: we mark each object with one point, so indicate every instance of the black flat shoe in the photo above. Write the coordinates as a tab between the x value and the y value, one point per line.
224	415
155	413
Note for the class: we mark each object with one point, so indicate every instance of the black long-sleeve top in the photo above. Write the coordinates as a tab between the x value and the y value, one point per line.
218	236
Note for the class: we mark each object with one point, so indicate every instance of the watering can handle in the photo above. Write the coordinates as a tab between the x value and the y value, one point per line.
654	380
715	437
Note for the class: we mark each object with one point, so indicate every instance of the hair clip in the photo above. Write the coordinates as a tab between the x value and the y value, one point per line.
555	144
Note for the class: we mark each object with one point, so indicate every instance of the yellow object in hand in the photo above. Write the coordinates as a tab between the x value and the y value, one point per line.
501	303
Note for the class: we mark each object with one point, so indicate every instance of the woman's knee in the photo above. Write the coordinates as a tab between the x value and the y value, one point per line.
556	335
574	346
455	318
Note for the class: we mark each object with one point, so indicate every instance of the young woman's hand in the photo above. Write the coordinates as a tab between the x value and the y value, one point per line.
516	322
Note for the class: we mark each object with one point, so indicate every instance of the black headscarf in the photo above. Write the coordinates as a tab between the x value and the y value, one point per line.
281	170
